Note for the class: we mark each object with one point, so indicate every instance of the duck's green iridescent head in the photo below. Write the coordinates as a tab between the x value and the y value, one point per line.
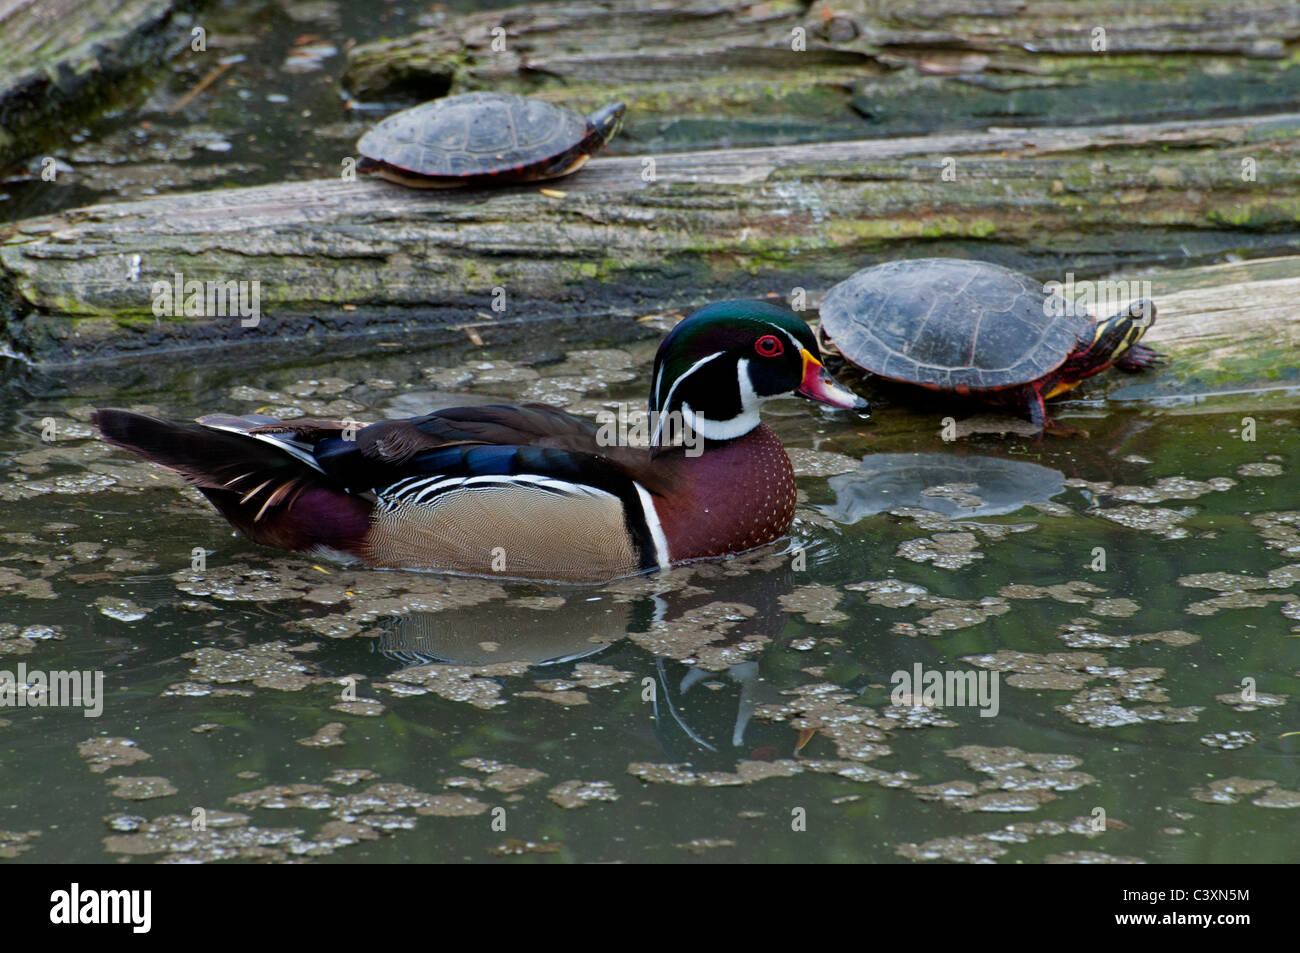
718	365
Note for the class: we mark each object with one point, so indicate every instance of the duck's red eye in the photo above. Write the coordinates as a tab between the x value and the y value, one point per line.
769	345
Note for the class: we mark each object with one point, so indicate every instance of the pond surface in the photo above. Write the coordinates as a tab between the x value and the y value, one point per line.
732	711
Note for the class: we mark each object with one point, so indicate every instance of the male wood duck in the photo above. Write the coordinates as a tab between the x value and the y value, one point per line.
523	490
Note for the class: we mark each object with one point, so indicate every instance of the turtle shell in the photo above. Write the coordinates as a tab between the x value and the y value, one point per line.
474	134
951	324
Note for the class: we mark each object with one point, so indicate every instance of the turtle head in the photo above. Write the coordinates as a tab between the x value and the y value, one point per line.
717	367
606	121
1109	340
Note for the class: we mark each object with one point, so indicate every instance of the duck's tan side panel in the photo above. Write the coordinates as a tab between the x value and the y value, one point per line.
508	531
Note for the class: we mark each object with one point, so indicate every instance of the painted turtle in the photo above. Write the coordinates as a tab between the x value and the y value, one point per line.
979	330
484	138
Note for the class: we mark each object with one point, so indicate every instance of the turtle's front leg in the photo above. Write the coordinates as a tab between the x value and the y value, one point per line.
1037	408
1140	357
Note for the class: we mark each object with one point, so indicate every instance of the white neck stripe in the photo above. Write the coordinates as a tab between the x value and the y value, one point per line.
737	426
667	402
733	427
656	528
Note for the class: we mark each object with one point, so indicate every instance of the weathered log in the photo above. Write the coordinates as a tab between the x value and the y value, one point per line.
334	257
1231	321
61	58
632	41
785	73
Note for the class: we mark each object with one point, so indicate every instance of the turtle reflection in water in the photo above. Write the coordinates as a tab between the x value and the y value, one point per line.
953	486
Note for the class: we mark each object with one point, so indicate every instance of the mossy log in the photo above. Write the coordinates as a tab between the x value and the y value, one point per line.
61	58
634	41
631	235
709	73
1236	321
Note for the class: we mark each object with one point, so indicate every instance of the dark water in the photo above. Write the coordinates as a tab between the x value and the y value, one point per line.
705	713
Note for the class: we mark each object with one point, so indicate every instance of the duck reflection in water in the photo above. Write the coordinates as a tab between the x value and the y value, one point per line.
701	702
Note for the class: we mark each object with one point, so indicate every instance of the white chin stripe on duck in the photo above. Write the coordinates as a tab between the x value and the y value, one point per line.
661	407
736	426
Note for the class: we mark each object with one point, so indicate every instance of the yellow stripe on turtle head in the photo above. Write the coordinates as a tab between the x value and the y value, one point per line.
1125	328
1133	331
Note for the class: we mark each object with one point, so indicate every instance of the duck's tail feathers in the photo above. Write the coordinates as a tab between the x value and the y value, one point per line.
268	487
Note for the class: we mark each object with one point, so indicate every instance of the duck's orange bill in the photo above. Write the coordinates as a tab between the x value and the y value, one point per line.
819	385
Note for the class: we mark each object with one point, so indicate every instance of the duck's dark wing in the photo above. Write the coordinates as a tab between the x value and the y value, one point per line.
535	425
497	439
502	425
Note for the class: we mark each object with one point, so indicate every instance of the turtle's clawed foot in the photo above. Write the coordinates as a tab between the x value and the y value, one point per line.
1058	429
1140	357
1046	425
